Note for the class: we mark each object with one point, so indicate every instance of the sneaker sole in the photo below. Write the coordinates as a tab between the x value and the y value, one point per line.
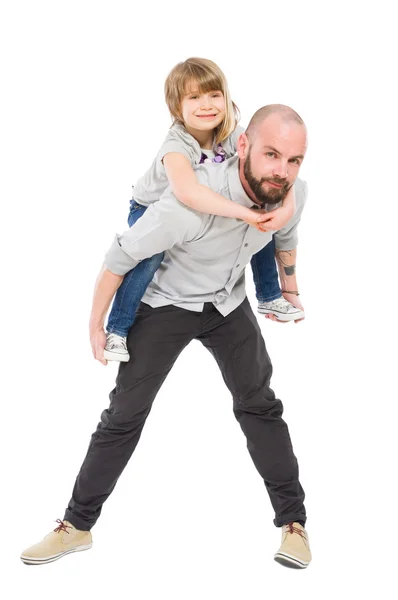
281	316
287	560
42	561
115	356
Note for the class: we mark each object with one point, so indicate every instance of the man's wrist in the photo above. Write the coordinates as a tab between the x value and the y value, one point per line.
96	323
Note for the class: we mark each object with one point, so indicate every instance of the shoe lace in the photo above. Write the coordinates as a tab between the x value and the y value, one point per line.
282	304
115	341
61	526
292	529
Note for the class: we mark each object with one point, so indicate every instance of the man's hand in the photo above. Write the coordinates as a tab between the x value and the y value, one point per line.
98	342
105	288
293	299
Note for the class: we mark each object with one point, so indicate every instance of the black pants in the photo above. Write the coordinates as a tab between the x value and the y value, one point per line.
155	341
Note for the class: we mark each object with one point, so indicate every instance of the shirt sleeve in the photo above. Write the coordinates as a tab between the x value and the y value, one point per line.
174	146
164	224
178	140
287	237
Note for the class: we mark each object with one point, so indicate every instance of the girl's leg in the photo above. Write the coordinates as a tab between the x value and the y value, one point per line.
135	282
265	274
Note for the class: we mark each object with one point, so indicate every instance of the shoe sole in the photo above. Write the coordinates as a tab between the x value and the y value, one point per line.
42	561
287	560
115	356
281	316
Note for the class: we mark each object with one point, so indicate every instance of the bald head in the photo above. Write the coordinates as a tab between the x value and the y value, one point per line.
271	152
285	113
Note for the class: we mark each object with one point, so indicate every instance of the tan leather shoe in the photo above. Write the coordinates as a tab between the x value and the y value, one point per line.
64	539
295	548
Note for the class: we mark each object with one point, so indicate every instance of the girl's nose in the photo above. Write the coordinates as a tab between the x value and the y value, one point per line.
205	103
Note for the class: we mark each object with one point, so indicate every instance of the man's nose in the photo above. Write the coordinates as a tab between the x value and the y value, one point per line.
280	169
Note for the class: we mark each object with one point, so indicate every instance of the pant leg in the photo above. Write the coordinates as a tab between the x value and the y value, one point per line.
265	273
134	285
237	345
157	338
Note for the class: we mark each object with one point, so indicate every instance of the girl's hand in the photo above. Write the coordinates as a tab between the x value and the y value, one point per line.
258	219
275	219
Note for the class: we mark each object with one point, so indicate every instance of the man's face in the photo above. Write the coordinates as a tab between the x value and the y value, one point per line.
272	159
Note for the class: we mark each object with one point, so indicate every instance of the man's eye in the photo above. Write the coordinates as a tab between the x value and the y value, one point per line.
271	154
295	161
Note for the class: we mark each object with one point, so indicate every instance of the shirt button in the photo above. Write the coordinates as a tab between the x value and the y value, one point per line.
246	245
237	266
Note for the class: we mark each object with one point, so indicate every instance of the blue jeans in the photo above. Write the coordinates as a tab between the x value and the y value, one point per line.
265	274
134	284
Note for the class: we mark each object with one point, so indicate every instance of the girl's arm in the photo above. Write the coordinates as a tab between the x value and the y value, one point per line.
279	217
200	197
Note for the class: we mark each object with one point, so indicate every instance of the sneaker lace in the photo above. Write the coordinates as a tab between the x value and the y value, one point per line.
282	304
115	341
61	526
292	529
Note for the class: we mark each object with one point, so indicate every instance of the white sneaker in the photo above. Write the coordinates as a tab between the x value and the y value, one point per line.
282	309
116	348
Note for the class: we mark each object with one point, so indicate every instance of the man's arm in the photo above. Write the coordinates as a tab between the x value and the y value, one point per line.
164	224
105	288
286	260
286	253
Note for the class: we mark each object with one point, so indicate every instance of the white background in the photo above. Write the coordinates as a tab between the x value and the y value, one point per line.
82	117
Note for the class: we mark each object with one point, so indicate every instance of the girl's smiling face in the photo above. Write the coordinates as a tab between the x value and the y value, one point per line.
202	111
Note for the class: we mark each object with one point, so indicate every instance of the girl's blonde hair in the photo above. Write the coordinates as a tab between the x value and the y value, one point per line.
209	77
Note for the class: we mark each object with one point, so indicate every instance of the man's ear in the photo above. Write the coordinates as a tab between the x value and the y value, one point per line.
242	146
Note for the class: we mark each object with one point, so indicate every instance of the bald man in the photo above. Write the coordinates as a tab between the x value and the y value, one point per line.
199	293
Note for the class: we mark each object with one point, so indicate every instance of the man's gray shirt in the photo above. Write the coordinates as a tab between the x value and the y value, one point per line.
205	255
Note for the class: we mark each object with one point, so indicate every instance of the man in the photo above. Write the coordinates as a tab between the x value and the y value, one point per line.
199	293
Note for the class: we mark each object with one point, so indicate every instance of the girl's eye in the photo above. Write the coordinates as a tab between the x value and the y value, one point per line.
194	97
217	95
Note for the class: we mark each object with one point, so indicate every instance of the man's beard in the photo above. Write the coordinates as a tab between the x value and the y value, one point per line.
273	195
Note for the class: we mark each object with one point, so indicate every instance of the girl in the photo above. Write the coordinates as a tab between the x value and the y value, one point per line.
204	130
